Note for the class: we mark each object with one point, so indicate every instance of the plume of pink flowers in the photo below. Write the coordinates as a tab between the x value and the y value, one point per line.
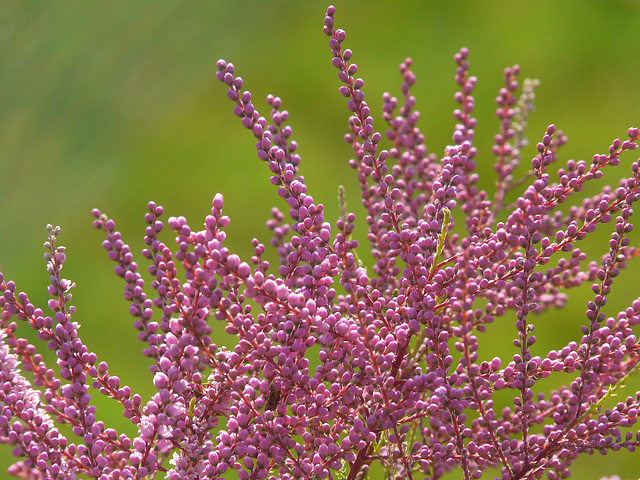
339	368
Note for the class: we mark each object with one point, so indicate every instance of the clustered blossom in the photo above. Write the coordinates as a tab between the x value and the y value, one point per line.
339	368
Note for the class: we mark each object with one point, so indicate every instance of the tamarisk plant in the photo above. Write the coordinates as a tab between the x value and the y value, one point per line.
399	381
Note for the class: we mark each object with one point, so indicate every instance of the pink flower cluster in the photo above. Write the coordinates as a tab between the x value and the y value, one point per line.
339	368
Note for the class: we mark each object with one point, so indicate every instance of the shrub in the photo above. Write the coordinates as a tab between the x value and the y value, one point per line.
398	380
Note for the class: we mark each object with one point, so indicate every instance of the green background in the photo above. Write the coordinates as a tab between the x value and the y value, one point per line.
113	104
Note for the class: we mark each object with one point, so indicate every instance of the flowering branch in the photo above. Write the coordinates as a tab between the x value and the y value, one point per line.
335	368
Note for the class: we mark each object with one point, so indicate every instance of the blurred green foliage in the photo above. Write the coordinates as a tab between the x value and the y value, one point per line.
113	104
